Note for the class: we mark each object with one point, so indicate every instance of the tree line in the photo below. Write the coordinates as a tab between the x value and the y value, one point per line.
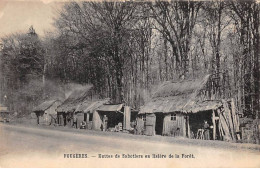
126	49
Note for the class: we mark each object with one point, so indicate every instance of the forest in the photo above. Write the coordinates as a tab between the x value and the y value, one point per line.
126	49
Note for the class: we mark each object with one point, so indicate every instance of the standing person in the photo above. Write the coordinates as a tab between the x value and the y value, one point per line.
74	121
206	130
135	126
38	120
105	122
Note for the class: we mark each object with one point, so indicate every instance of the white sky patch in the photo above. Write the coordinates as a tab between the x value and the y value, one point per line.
18	16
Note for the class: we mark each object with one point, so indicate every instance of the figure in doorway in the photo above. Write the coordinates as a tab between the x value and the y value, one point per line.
38	120
74	121
104	123
206	130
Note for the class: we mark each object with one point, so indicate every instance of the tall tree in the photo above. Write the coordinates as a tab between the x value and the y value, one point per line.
21	62
246	15
175	20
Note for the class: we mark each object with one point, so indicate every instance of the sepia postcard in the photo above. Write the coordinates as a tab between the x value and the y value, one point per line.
129	84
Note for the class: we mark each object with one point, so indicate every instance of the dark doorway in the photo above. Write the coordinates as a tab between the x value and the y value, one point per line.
85	117
196	122
113	118
159	124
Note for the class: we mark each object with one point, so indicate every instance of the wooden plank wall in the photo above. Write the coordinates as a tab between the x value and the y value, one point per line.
170	126
150	124
139	126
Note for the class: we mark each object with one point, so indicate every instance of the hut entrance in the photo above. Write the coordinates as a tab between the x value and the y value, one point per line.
159	124
112	119
60	120
197	121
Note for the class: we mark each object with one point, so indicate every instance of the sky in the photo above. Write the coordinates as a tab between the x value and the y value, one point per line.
18	15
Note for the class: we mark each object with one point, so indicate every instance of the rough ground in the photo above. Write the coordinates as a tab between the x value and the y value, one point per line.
29	146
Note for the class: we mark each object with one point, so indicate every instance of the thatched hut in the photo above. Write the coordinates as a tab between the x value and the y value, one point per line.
180	109
46	112
81	104
85	110
114	117
108	116
84	105
67	109
100	114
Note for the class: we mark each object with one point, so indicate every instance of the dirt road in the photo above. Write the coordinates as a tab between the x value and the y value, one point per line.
22	146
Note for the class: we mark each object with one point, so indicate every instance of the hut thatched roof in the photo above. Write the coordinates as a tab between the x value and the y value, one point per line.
179	97
77	97
44	106
91	105
111	107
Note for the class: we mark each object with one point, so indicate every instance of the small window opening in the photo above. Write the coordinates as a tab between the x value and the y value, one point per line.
173	117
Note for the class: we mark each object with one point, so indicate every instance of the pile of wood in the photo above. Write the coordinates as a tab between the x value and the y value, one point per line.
228	122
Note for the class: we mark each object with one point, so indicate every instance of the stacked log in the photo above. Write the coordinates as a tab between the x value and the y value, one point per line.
225	132
228	121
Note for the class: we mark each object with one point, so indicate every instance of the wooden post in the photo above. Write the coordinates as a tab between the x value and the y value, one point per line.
127	117
214	125
220	131
87	120
188	122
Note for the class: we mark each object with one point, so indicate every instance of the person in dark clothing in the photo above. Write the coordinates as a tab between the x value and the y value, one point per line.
104	123
206	130
102	127
75	121
38	120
